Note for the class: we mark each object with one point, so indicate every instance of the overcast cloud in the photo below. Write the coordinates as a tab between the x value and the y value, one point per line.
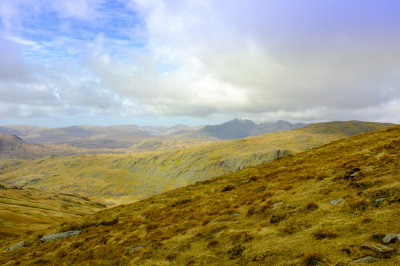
175	61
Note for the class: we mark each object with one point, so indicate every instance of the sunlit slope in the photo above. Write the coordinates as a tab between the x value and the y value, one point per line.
123	178
28	210
278	213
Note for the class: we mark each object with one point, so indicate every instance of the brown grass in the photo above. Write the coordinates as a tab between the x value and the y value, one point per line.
245	226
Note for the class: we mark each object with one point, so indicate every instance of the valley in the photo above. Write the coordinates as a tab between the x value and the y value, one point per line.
123	178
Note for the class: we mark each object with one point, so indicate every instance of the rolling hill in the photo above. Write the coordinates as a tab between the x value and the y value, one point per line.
123	178
23	211
13	147
138	137
332	205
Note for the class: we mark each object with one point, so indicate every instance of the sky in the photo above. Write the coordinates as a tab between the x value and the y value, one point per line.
166	62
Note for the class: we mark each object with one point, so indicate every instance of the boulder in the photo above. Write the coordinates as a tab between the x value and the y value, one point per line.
338	201
59	236
17	246
136	248
380	200
379	248
367	259
391	238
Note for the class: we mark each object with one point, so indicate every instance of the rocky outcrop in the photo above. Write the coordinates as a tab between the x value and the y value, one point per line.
59	236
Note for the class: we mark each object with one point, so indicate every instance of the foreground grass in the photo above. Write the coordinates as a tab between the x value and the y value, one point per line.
279	213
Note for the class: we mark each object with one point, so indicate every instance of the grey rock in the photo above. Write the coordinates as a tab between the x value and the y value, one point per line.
277	204
390	237
17	246
236	214
379	248
367	259
59	236
338	201
380	199
136	248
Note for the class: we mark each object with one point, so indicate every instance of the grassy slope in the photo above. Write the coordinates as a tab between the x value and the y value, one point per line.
235	219
125	178
24	211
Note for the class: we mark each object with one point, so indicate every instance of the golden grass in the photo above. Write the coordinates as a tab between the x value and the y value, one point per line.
125	178
277	213
23	211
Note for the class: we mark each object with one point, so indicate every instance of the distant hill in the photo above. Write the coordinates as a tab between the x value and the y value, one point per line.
122	178
13	147
332	205
236	129
140	138
80	136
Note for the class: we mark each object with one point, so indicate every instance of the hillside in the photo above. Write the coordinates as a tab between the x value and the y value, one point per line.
126	136
13	147
23	211
331	205
115	179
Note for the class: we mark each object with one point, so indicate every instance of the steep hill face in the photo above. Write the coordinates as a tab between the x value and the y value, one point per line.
124	178
237	128
331	205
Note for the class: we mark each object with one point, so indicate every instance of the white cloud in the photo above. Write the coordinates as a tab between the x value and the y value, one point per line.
205	59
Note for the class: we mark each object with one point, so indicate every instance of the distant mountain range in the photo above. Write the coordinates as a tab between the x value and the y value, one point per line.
13	147
124	136
123	178
241	128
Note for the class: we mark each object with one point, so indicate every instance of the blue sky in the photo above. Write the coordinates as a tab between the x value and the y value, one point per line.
99	62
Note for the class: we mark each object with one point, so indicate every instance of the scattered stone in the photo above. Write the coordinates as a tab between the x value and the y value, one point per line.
136	248
236	214
377	247
351	174
390	238
59	236
17	246
380	200
277	204
367	259
338	201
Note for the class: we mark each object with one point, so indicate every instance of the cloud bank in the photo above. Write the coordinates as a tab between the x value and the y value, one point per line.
200	60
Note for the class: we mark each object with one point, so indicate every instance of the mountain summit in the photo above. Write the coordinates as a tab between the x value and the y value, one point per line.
241	128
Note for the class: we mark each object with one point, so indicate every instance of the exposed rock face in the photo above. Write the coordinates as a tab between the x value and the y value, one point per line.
15	247
60	236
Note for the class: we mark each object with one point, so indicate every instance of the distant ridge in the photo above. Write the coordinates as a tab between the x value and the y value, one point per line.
122	178
241	128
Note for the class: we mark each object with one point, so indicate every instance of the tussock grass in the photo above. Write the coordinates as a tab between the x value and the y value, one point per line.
248	225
